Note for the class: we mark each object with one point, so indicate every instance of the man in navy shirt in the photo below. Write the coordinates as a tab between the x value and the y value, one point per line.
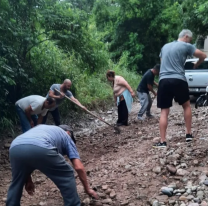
143	89
43	148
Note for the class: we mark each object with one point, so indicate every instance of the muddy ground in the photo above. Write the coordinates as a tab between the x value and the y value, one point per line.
124	168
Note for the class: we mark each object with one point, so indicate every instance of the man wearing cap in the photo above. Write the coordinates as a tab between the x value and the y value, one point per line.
31	110
59	97
146	86
43	148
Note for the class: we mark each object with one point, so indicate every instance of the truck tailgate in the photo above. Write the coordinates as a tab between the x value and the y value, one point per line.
197	78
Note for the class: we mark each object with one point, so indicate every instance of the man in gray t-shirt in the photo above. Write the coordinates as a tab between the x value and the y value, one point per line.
64	89
172	81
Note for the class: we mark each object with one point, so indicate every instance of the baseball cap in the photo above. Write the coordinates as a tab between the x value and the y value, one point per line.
68	128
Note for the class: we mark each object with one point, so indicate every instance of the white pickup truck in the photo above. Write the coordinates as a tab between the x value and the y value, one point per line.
197	78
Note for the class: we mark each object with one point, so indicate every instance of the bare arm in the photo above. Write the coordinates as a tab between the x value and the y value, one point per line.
76	101
52	94
28	112
201	57
78	166
125	83
151	89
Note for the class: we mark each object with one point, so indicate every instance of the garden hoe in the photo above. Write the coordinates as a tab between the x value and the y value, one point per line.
117	130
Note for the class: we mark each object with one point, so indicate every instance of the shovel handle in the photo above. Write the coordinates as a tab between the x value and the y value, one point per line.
85	109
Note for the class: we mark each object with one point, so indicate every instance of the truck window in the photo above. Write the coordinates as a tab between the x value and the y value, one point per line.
189	65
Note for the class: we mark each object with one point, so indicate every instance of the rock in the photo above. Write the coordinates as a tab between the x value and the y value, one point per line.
162	198
107	201
205	182
197	200
4	199
157	169
195	162
171	202
182	198
101	195
188	191
183	165
112	194
193	204
202	179
182	172
126	202
86	201
7	145
42	203
182	204
193	188
155	203
127	167
104	187
162	161
171	169
167	191
200	194
172	185
179	191
190	197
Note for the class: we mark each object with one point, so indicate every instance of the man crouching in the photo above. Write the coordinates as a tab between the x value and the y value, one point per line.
42	148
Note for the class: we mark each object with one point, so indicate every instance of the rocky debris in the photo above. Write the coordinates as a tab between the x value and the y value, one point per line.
86	201
205	182
112	194
171	169
125	169
7	145
182	172
157	169
167	191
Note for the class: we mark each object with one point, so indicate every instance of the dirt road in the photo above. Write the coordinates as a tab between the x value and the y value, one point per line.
126	170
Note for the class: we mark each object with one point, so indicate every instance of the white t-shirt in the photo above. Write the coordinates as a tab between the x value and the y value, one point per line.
36	103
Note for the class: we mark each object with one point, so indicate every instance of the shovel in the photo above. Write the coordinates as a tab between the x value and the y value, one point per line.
117	130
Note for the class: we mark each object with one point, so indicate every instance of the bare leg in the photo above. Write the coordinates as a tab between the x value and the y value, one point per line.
163	123
187	116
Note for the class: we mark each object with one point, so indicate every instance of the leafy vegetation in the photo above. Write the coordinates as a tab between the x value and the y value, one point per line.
45	41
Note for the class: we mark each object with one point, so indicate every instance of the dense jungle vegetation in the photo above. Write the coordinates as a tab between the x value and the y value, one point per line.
45	41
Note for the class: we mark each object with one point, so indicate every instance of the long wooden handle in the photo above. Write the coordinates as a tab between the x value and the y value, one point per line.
85	109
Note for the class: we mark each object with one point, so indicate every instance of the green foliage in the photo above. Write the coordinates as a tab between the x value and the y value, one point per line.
195	16
45	41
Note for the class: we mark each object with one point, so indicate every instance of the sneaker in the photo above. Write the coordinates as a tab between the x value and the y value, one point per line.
189	137
160	145
139	119
150	116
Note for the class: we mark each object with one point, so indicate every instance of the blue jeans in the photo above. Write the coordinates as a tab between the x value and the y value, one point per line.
25	124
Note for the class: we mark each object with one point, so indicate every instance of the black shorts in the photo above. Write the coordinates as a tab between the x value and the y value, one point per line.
170	89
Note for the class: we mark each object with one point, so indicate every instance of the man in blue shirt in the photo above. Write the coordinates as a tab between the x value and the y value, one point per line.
43	148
